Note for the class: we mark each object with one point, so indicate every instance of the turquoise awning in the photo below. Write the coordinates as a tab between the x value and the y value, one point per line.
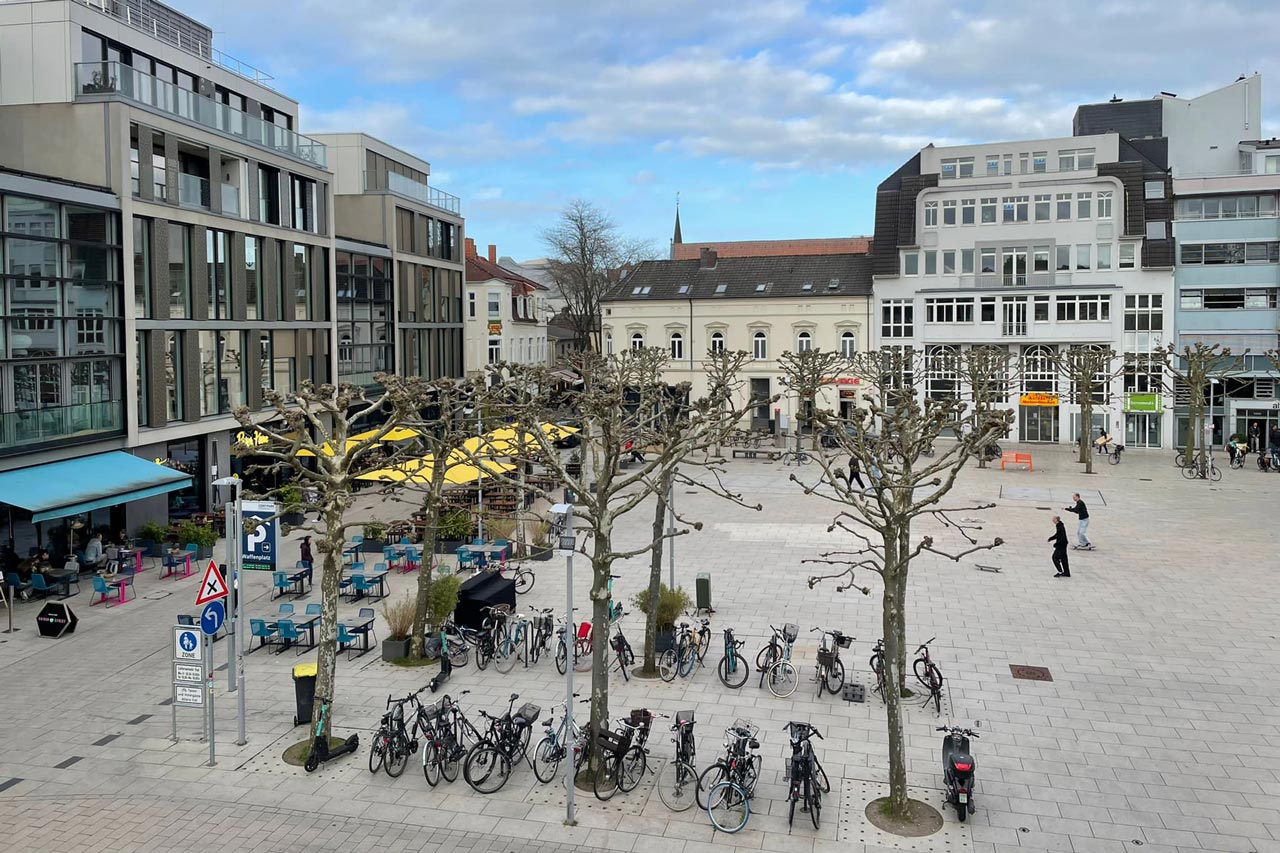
72	486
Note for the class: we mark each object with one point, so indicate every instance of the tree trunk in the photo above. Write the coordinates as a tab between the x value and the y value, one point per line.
601	567
655	579
980	412
431	518
894	655
1086	430
327	656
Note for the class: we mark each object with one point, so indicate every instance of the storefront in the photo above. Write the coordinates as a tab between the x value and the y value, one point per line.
1142	416
848	389
1038	417
1253	413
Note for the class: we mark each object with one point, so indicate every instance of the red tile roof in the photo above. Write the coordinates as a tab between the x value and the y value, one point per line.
772	248
482	269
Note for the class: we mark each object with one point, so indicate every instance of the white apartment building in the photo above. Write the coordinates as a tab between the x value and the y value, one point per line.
506	314
1034	246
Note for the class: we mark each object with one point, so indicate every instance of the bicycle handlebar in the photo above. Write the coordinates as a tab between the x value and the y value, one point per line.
957	729
924	644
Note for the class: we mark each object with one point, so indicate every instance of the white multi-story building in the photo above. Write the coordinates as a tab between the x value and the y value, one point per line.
1035	246
506	314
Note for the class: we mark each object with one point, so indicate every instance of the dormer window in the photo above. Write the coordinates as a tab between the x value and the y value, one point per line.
721	288
834	284
807	286
684	288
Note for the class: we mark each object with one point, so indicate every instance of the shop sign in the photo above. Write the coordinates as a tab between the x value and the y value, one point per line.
495	328
1038	398
1142	403
848	380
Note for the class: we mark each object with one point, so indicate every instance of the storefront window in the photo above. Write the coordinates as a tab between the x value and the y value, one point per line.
187	457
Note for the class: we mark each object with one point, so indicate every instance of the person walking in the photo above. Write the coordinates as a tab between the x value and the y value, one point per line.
1059	540
1255	437
1082	539
855	473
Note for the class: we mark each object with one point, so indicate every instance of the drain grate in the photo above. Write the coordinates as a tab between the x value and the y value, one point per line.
103	741
853	827
63	765
141	718
168	701
9	783
1030	673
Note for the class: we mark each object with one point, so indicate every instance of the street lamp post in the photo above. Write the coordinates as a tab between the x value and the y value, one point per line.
235	613
567	543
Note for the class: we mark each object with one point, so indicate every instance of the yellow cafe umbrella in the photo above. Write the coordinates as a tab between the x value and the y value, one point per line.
328	448
397	434
558	431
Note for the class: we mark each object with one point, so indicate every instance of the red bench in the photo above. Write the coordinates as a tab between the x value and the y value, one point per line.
1015	459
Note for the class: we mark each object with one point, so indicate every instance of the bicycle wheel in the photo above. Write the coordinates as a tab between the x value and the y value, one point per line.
791	808
524	581
739	674
546	759
688	657
1215	474
631	769
708	779
920	667
668	665
834	677
1179	460
766	657
678	785
1190	472
783	679
728	807
622	665
582	662
397	758
701	643
562	658
449	764
431	762
459	655
607	778
486	768
821	776
814	795
1115	459
505	660
934	683
377	752
484	653
526	732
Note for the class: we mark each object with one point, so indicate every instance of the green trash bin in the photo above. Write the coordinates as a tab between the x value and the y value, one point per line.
304	691
702	586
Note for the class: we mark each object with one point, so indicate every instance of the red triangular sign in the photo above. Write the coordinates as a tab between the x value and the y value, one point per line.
213	587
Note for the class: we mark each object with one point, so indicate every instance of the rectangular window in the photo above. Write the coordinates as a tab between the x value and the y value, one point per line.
1040	259
966	261
1126	256
1043	204
1039	161
1063	260
1024	162
1066	161
948	262
988	260
219	274
1041	309
1064	206
1153	190
930	214
1084	158
988	211
159	186
404	231
1104	256
966	210
269	195
1016	208
252	280
950	310
1192	300
141	267
1083	253
949	213
930	263
495	350
1156	230
965	165
993	165
495	305
1007	163
988	313
1104	205
1084	205
897	318
179	271
1091	308
471	305
954	167
301	284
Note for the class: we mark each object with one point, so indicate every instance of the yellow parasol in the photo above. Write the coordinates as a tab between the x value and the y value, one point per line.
397	434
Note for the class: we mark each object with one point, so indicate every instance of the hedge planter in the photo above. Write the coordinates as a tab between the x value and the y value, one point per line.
205	552
663	640
541	553
374	546
293	519
395	649
448	546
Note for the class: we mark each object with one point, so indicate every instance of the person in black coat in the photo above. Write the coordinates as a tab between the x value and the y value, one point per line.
1059	540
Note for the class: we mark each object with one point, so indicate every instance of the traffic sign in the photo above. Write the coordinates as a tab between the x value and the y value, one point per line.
213	587
187	644
212	616
188	695
188	673
258	548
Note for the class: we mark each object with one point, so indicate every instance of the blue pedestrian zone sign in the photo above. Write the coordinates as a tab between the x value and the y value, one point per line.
186	644
211	617
258	548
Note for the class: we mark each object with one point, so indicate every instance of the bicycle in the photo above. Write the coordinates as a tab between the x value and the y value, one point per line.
877	667
830	669
678	780
460	640
690	647
730	783
1206	470
515	645
581	647
733	669
624	757
623	654
448	730
796	457
493	629
803	768
615	607
1115	454
554	746
392	744
543	628
523	577
928	674
488	764
1237	461
776	670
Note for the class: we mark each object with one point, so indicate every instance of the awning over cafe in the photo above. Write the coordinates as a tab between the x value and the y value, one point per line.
72	486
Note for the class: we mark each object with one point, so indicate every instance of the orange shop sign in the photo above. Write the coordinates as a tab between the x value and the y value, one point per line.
495	328
1038	398
848	380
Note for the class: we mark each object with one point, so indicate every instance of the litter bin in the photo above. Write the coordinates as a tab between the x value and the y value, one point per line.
570	496
304	691
702	586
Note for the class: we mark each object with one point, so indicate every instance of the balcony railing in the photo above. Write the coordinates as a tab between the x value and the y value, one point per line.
409	188
230	199
1034	279
193	191
163	31
114	78
38	426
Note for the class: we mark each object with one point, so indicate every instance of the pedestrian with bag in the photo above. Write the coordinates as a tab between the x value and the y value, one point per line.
1059	540
1082	540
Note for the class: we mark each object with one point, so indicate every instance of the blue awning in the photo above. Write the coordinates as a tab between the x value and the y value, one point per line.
73	486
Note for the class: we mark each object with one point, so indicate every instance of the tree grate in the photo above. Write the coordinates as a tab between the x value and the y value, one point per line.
103	741
63	765
854	828
141	718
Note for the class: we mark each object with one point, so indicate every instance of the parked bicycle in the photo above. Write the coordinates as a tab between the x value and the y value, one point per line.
725	788
877	667
446	731
1114	455
830	670
579	646
928	674
734	669
556	744
776	670
392	744
624	657
796	457
808	781
1202	469
623	755
514	645
517	572
488	764
544	627
678	779
690	647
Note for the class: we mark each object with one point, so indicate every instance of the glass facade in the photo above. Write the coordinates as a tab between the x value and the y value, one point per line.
61	323
365	317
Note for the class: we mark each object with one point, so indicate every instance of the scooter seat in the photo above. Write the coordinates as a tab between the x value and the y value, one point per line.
961	762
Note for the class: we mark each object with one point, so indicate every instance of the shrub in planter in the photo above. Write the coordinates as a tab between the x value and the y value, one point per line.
399	616
454	530
442	598
671	604
291	505
201	535
541	547
156	535
574	466
375	537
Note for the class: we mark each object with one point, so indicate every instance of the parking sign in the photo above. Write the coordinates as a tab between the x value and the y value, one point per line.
259	547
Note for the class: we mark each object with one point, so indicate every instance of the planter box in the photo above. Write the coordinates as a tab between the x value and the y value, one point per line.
152	549
205	552
663	640
448	546
393	649
541	553
373	546
293	519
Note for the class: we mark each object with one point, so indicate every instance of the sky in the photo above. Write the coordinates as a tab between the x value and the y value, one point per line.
772	119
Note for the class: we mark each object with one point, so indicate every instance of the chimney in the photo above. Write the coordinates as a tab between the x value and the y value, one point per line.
493	253
706	258
471	248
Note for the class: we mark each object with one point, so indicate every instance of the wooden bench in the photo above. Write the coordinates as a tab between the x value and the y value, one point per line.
1016	459
770	455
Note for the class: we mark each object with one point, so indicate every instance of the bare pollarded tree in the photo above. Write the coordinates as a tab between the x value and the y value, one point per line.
989	375
308	436
587	253
1195	369
805	373
1089	371
894	438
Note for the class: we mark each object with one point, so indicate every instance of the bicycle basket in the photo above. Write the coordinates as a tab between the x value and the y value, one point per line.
433	712
684	718
844	641
826	658
790	631
527	714
614	743
642	719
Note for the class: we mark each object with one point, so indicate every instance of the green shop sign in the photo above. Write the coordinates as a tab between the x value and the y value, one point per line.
1142	403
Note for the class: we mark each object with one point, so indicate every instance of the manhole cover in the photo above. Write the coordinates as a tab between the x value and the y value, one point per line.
1030	673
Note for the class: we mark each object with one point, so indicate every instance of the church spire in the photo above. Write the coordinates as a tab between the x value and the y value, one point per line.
675	237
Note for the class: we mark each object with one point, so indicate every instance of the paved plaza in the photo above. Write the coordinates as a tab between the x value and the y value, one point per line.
1158	729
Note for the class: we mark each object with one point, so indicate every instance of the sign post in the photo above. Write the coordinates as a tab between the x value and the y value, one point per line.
189	669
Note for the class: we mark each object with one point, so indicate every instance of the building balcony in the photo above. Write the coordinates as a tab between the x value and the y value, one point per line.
995	281
95	80
29	427
193	191
409	188
1018	330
